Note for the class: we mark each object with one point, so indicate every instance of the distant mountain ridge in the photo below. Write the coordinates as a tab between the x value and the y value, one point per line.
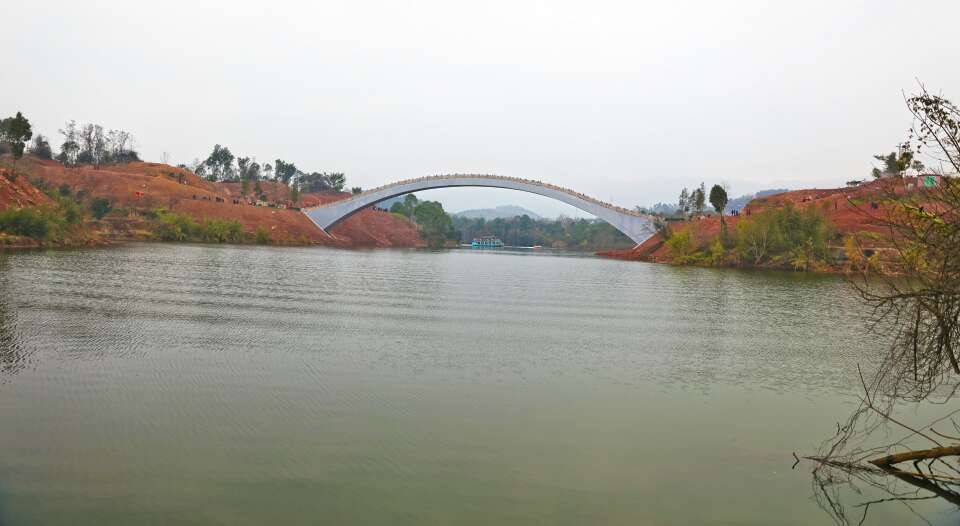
733	204
740	202
503	212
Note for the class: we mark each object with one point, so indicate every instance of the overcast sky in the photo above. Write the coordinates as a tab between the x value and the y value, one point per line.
625	101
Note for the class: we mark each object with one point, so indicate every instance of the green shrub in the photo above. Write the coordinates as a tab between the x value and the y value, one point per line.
40	222
156	213
662	228
122	211
222	231
718	254
99	207
263	235
24	222
784	236
181	227
683	245
69	210
177	227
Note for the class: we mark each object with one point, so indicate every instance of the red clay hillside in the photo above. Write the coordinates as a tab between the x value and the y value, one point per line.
141	186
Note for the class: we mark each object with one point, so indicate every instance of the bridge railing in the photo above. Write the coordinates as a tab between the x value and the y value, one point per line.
487	176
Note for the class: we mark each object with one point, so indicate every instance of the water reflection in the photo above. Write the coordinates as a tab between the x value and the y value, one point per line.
12	357
847	491
890	454
250	385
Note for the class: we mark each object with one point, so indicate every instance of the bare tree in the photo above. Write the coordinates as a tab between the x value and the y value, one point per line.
71	143
99	146
915	297
918	295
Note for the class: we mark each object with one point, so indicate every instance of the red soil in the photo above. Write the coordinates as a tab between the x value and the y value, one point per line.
274	190
847	209
17	191
152	185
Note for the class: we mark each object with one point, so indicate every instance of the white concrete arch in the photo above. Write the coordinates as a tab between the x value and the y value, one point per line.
638	227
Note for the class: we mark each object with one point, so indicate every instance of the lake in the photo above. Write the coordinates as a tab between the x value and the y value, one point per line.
182	384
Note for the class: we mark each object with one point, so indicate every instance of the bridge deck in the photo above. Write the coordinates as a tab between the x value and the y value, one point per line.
637	226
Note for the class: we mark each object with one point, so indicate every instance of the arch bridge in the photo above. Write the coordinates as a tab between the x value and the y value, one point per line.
637	226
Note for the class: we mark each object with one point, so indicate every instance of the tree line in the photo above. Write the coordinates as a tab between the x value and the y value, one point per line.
437	227
693	203
579	234
90	143
223	166
94	144
434	224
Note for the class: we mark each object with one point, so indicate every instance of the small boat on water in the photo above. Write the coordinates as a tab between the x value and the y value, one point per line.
486	242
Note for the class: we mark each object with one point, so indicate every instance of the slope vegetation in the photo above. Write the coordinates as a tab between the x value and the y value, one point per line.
846	211
139	188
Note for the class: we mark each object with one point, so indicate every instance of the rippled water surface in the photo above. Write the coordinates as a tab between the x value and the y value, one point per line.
172	384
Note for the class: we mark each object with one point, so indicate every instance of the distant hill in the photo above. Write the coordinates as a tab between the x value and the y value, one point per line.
740	202
662	208
504	212
733	204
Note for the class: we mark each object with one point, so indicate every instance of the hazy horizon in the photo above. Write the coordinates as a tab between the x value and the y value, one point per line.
621	101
